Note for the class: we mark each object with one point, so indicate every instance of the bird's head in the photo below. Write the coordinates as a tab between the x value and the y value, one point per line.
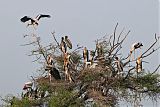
85	48
62	39
116	58
66	37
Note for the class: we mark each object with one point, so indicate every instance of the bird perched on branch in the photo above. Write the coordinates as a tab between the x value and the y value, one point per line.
67	60
63	45
85	54
134	47
27	85
33	21
68	42
139	64
92	54
99	49
55	73
119	65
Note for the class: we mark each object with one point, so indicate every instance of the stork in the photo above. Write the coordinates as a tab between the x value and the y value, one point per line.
92	54
85	54
27	85
66	66
55	73
139	64
99	49
63	45
28	88
68	42
33	21
134	47
49	66
49	62
119	65
50	59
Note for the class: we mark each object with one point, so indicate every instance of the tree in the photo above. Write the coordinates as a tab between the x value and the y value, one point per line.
108	79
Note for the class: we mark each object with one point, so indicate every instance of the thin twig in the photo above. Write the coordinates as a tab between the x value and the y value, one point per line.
55	39
114	35
156	40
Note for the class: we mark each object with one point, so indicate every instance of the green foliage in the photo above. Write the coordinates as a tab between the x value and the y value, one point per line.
150	82
90	75
63	98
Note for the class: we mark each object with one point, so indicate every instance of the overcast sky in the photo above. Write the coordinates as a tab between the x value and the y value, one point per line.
83	20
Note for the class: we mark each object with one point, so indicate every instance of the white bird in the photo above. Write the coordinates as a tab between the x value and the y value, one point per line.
33	21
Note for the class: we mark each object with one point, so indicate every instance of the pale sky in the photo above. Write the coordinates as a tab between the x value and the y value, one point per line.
83	20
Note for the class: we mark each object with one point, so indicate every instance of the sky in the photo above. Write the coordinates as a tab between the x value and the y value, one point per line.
83	20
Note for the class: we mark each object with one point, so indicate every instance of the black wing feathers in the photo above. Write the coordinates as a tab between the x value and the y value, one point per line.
25	18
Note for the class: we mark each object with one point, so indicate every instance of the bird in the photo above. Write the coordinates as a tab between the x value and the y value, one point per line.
99	49
135	46
33	21
27	85
49	62
67	60
55	73
68	42
92	54
50	59
85	54
119	65
63	45
139	64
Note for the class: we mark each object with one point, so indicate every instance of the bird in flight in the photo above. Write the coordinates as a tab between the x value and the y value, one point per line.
33	21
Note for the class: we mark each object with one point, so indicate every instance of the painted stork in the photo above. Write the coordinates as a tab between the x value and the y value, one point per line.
63	45
67	59
85	54
139	64
27	85
50	60
68	42
119	65
33	21
92	54
99	49
134	47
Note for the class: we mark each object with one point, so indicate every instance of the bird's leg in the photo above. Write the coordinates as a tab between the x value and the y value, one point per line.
66	73
69	77
50	77
130	55
133	55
